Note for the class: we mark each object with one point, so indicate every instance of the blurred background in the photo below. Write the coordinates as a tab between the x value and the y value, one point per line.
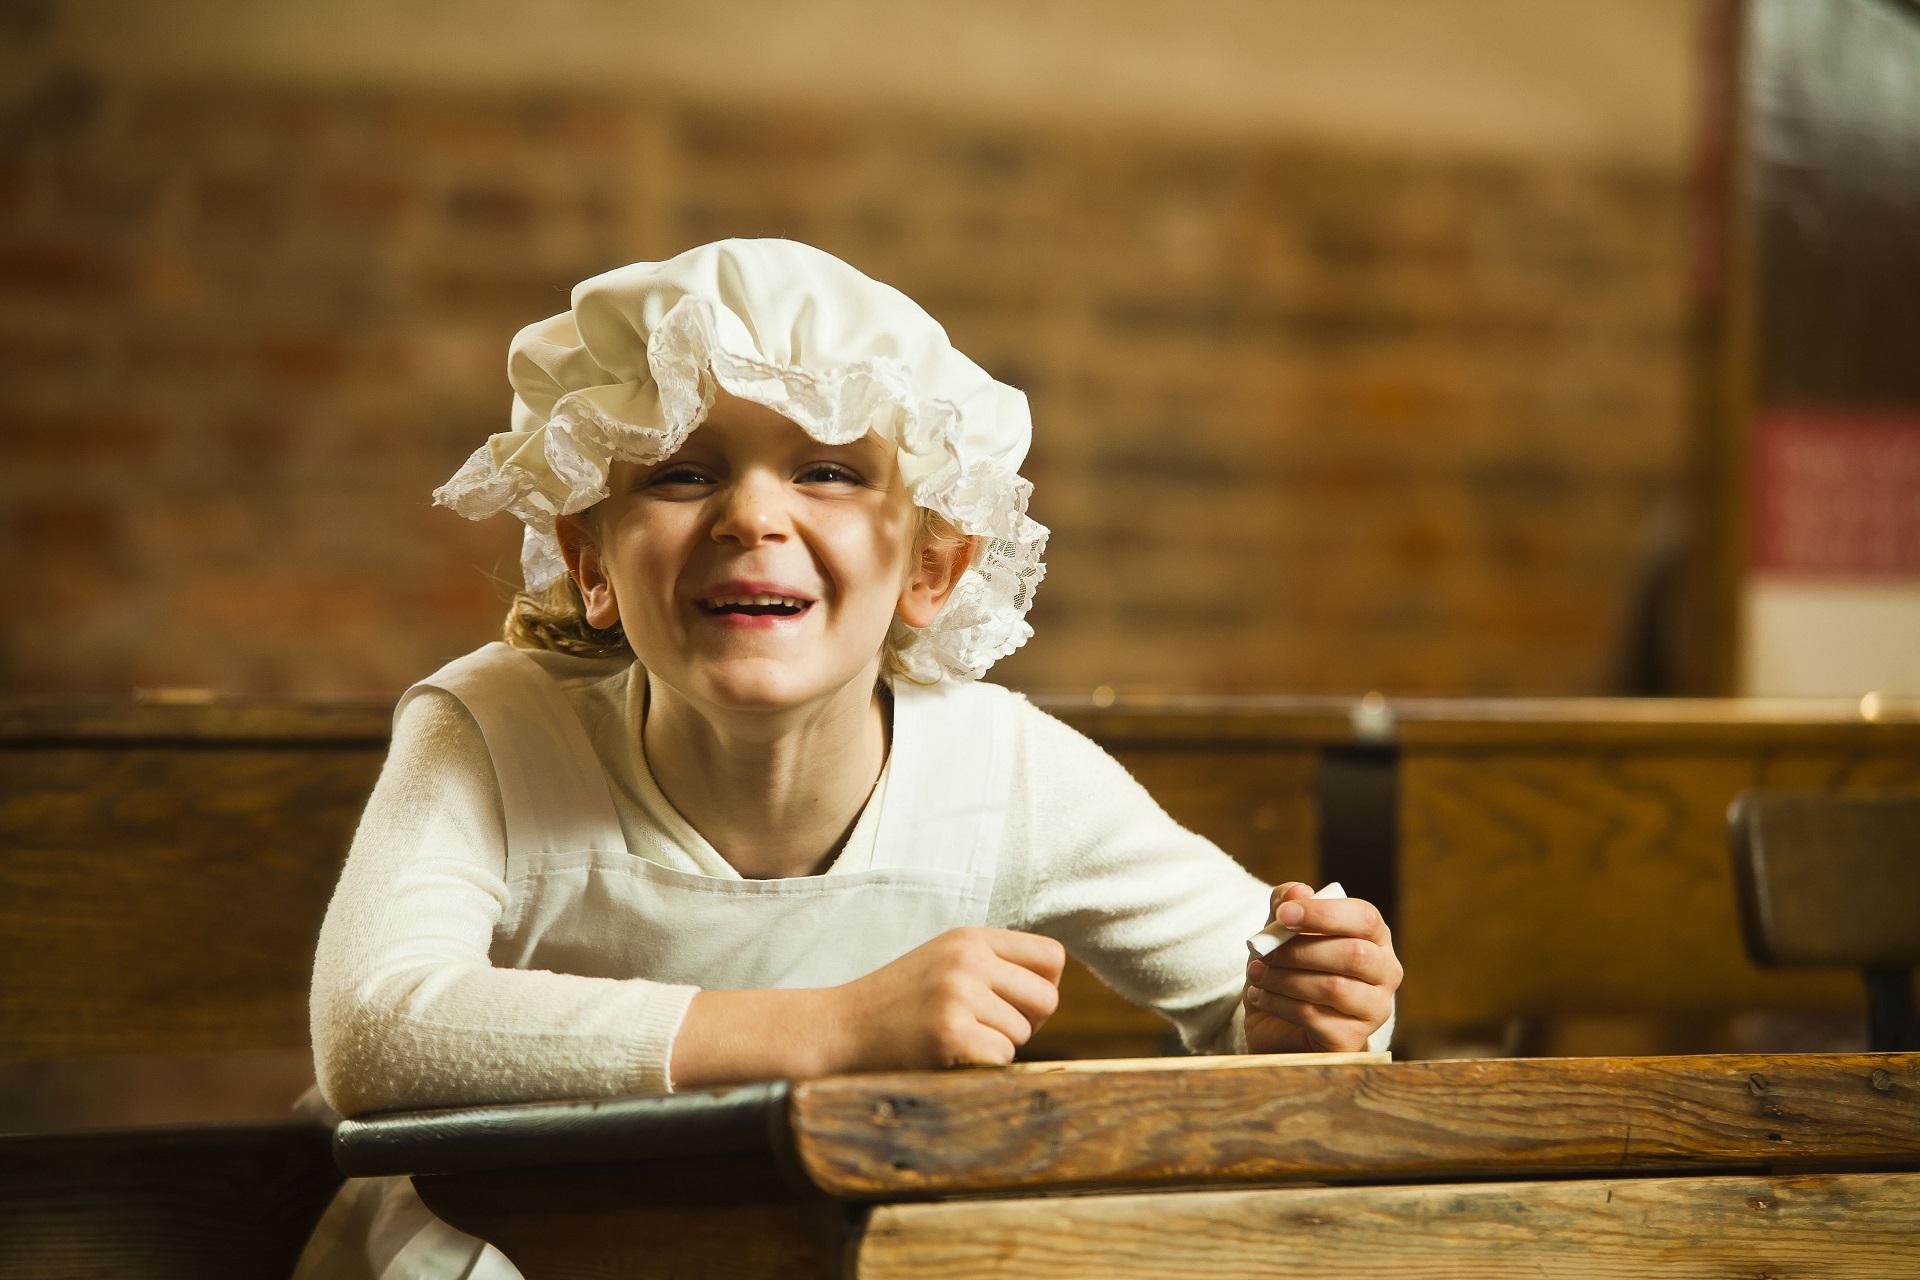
1361	338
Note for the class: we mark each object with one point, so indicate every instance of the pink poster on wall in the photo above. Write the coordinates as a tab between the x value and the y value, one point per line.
1836	495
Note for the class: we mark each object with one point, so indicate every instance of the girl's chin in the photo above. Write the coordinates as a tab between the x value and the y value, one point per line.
760	686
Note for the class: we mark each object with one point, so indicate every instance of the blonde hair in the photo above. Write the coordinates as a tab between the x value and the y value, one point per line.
555	619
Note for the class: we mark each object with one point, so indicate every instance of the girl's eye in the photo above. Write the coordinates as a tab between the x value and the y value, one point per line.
830	473
680	475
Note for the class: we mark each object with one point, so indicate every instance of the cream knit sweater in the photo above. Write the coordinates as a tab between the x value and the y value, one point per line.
408	1011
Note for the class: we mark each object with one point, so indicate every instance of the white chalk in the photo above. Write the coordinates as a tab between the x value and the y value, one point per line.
1261	944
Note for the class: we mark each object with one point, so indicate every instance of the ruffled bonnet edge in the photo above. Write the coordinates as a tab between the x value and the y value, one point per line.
560	467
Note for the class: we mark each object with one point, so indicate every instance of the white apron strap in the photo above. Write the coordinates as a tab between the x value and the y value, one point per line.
553	787
952	777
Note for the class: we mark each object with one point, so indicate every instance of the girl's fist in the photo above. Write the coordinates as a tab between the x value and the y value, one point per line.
1328	988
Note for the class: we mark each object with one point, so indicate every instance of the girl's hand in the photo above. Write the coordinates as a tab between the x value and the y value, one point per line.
969	996
1328	989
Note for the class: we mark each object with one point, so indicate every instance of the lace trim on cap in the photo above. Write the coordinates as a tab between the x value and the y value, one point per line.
561	468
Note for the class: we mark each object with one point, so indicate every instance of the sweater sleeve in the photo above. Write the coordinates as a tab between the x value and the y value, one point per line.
407	1010
1159	913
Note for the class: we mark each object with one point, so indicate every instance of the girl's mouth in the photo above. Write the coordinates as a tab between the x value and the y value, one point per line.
753	610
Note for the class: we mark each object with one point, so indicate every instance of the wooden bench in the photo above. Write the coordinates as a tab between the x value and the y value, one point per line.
163	871
1702	1166
230	1200
164	868
1539	860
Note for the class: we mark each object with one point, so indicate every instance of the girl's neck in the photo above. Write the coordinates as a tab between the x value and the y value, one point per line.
774	799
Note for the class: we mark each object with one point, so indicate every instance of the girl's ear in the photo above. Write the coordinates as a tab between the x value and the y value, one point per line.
582	555
938	572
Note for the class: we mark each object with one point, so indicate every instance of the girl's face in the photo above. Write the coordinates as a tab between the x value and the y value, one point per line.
757	569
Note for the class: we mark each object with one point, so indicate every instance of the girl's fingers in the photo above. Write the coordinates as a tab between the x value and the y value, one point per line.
1043	955
996	1015
1353	957
1346	917
1291	891
1349	997
986	1046
1028	992
1330	1030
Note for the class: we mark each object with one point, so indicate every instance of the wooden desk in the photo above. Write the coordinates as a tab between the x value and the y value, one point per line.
1230	1167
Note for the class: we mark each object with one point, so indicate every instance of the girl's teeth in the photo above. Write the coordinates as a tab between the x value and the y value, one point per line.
721	602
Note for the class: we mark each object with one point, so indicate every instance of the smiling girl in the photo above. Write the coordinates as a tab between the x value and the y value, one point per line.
732	802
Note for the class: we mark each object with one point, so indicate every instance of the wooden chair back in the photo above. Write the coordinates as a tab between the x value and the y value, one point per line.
1831	881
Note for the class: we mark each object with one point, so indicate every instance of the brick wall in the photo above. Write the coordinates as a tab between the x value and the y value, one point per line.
1305	419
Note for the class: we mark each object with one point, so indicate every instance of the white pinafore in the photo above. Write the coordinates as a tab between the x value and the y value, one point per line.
921	860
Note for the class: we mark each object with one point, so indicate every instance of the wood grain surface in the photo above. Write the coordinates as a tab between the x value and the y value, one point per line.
1035	1170
166	900
180	717
922	1134
219	1200
1127	717
1544	881
693	1219
115	1091
1710	1228
1212	1062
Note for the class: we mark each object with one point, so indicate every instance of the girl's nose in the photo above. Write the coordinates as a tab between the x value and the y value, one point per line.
751	511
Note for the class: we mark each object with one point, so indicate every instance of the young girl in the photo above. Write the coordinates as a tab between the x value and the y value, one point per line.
732	804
